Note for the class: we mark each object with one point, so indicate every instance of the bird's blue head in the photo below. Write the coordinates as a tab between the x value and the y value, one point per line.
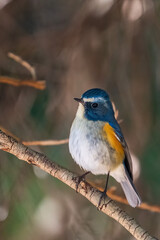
95	105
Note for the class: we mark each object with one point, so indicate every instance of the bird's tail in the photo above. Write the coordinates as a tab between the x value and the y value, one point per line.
130	191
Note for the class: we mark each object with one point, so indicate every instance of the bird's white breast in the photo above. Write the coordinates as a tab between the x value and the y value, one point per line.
88	146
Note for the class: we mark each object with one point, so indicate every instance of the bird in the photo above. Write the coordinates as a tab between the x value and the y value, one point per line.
97	145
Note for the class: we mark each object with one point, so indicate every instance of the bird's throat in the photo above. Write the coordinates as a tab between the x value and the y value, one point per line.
80	111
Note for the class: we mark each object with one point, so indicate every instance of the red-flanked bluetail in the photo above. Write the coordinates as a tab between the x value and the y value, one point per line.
97	144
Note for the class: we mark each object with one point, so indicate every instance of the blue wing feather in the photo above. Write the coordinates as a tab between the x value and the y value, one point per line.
127	160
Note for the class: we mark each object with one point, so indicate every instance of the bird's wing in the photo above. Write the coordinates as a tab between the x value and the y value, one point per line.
127	160
114	134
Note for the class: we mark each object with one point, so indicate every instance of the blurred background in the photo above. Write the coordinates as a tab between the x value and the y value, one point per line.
74	46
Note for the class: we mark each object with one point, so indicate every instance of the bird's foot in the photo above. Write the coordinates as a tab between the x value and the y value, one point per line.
102	197
103	194
80	179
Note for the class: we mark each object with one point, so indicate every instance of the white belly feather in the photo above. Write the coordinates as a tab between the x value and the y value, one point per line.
88	146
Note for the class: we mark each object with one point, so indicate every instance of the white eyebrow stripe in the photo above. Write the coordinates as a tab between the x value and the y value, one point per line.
93	99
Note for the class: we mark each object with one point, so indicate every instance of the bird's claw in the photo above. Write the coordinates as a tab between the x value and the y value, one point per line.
80	179
102	197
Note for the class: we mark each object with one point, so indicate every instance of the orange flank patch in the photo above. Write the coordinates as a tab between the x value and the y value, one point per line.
114	143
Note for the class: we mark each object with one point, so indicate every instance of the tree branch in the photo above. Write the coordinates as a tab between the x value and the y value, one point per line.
25	64
41	84
110	192
109	207
45	142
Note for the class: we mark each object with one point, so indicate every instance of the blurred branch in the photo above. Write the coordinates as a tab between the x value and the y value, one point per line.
9	133
109	207
46	142
24	64
111	194
41	85
17	82
116	113
36	143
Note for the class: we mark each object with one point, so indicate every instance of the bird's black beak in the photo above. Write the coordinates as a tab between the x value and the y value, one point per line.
80	100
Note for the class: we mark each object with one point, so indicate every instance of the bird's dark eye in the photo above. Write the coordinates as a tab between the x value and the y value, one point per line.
94	105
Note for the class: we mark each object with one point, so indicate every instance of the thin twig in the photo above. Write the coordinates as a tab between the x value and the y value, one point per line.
116	113
109	207
117	198
41	85
9	133
24	63
46	142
